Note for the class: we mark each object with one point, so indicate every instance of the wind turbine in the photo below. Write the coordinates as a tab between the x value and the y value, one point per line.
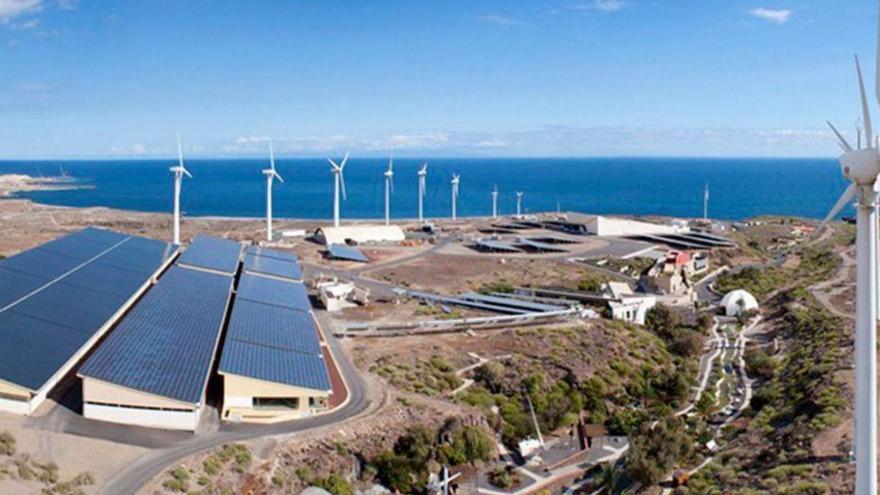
519	195
495	202
338	183
442	485
423	173
179	171
271	175
861	166
455	180
706	202
389	188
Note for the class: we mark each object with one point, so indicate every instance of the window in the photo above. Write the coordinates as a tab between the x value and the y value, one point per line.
276	403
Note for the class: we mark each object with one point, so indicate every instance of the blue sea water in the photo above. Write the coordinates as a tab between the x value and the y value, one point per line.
739	188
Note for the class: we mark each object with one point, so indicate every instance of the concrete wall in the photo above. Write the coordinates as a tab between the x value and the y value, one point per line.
153	418
239	393
606	226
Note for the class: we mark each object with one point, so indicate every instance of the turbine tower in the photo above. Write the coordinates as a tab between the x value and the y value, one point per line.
455	180
495	202
423	173
706	202
179	171
271	175
519	195
338	184
861	166
389	188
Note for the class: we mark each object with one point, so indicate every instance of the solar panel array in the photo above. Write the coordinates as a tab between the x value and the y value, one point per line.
343	252
266	263
272	334
165	346
56	297
211	253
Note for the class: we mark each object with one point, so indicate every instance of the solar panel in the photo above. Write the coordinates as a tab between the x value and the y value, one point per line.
272	253
54	298
343	252
540	246
213	254
273	326
272	266
165	346
496	245
275	292
275	365
506	301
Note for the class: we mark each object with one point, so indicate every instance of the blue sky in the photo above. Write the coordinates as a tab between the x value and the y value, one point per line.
105	79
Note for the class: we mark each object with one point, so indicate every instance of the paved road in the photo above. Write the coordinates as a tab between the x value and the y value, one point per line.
139	473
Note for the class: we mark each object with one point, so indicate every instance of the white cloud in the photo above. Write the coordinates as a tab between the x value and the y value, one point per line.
67	4
608	6
501	20
28	24
10	9
780	16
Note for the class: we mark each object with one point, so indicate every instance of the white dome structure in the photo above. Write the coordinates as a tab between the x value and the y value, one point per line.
737	301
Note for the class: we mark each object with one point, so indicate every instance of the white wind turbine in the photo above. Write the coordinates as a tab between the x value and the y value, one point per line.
338	183
495	202
441	486
423	173
271	175
706	202
861	166
455	181
179	171
519	195
389	188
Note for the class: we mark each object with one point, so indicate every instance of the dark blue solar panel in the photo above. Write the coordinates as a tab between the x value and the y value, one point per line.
212	253
343	252
273	326
165	345
272	266
272	253
272	291
136	260
82	310
275	365
15	285
100	236
41	263
34	350
102	278
80	249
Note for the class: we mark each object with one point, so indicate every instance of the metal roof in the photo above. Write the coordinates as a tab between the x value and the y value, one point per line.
272	266
275	292
166	344
211	253
507	301
343	252
54	298
494	245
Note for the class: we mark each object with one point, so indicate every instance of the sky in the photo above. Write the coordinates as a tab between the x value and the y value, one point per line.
93	79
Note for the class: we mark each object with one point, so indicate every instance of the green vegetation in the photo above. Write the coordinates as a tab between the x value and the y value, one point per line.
7	444
504	477
592	281
500	285
405	467
656	451
759	364
430	377
815	264
758	281
335	484
632	267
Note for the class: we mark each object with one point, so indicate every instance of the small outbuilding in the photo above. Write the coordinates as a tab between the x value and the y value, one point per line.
738	301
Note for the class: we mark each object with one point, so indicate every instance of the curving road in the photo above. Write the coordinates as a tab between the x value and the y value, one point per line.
141	471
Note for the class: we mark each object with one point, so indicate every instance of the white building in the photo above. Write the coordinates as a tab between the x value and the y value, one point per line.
612	226
360	234
625	305
738	301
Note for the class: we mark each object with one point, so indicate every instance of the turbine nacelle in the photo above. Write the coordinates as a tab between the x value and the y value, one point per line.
861	166
179	170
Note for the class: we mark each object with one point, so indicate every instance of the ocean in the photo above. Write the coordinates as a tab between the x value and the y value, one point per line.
739	188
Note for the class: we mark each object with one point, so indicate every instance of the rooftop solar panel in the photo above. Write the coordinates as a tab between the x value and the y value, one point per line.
213	254
273	326
272	266
53	299
343	252
275	292
272	253
165	346
275	365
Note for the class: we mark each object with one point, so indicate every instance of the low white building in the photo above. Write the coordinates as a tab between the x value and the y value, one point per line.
336	296
738	301
360	234
625	305
610	226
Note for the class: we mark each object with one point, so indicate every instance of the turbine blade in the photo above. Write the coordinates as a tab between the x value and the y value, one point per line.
179	151
866	115
844	200
342	165
335	166
187	173
277	176
342	183
271	156
842	140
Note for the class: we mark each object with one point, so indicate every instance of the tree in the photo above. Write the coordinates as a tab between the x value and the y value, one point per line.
490	374
609	478
686	342
656	451
662	320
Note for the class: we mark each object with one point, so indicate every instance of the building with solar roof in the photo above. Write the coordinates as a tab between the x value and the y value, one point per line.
59	299
154	368
272	363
